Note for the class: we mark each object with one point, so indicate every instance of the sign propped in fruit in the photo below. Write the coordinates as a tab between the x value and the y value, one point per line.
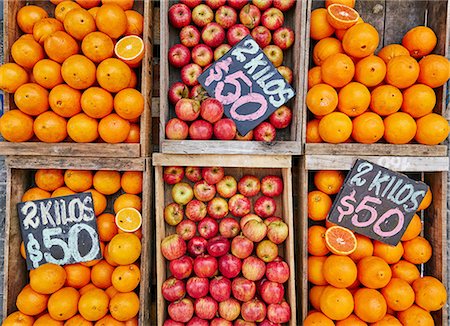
59	230
377	202
247	84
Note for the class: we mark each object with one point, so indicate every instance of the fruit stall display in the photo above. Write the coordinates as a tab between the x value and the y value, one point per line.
349	279
224	240
101	292
76	72
195	34
376	79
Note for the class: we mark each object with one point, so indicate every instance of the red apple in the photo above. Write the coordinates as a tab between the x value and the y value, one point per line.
178	91
220	288
213	174
202	55
204	191
221	50
190	36
173	214
284	37
253	268
197	287
202	15
182	193
262	36
243	289
277	271
267	251
249	185
205	266
279	313
229	266
239	205
173	289
173	247
173	174
226	16
229	309
198	93
225	129
282	117
206	308
181	311
236	33
272	18
283	5
241	247
218	246
250	16
193	173
229	227
253	310
195	210
237	4
179	55
190	74
197	246
286	73
277	232
255	230
247	137
214	4
196	321
272	186
248	218
272	292
191	3
177	129
171	322
208	227
213	35
262	4
181	268
217	208
220	322
179	15
265	132
200	130
227	187
211	110
267	322
187	109
275	54
265	206
271	219
186	229
241	322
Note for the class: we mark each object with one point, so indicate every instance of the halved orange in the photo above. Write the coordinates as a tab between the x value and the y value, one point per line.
341	16
340	241
128	219
130	49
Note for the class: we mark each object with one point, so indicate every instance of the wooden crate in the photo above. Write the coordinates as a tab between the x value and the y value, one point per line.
433	171
237	166
20	170
289	140
12	32
392	19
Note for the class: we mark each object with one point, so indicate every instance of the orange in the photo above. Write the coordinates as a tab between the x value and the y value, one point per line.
100	201
22	250
63	304
12	76
390	254
107	182
370	305
338	70
82	128
50	127
93	11
124	248
340	241
47	320
326	47
364	248
432	129
129	103
387	320
124	306
47	278
78	180
28	16
131	182
319	204
329	182
113	129
335	127
368	128
419	41
402	71
319	25
341	16
18	319
63	8
78	72
126	278
322	99
106	226
111	20
350	3
31	99
135	23
370	71
354	99
87	4
128	219
315	270
386	99
16	126
35	194
108	258
60	45
339	271
113	75
77	275
312	132
417	250
124	4
49	179
430	293
93	305
351	320
26	52
87	288
400	128
398	294
109	321
130	49
335	303
317	319
415	316
133	79
314	76
127	200
96	102
360	40
418	100
77	320
134	134
65	101
339	33
434	70
314	295
374	272
111	291
426	201
97	46
30	302
316	241
391	51
62	191
132	322
101	274
413	230
79	23
406	271
47	73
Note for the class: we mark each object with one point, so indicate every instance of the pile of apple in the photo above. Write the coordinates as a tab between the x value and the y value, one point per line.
223	258
220	24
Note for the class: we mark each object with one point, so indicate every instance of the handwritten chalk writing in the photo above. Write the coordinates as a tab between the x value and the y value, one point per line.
384	218
249	46
362	206
249	98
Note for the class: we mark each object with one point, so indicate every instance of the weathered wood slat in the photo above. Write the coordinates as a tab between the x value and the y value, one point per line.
375	149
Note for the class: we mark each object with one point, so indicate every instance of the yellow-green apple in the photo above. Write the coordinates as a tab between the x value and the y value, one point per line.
217	208
279	313
187	109
271	185
229	309
186	229
283	5
243	289
272	18
200	130
239	205
190	36
262	4
221	50
213	35
179	55
182	193
177	129
284	37
211	110
250	16
226	16
225	129
197	287
181	268
202	15
262	36
202	55
265	206
193	173
195	210
255	230
287	74
205	308
205	266
275	54
249	185
173	289
208	228
220	288
218	246
179	15
272	292
277	232
236	33
213	174
229	265
173	214
248	218
265	132
227	187
173	174
271	219
241	247
197	246
178	91
253	310
267	251
229	227
190	74
181	311
253	268
204	191
173	247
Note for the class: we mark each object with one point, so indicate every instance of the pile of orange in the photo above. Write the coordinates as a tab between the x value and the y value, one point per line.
73	75
101	292
357	96
357	281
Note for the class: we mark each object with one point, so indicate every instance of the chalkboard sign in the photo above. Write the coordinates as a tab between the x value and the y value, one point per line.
377	202
247	84
59	230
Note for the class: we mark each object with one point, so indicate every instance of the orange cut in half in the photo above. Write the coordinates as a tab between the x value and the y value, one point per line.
341	16
128	219
130	49
340	241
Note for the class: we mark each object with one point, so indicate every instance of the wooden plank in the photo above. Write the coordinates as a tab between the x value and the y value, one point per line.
397	163
156	26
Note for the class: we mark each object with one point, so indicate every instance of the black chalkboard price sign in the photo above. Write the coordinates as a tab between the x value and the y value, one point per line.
377	202
59	230
247	84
